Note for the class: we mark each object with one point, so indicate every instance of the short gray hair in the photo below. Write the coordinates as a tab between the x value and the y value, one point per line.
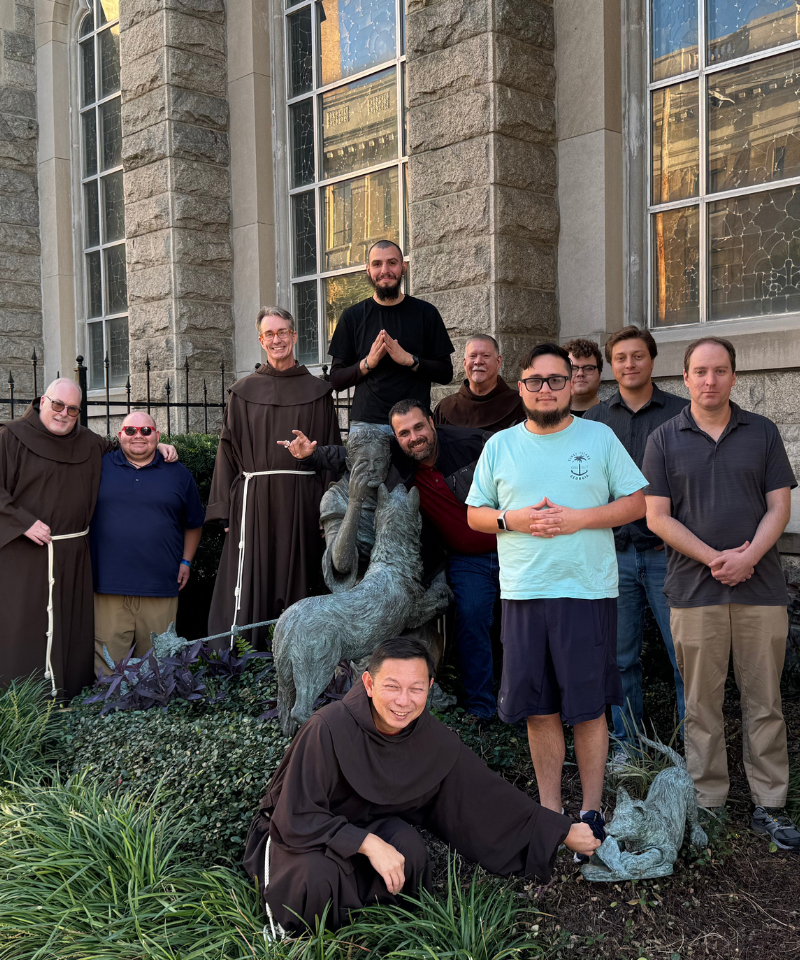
486	338
274	312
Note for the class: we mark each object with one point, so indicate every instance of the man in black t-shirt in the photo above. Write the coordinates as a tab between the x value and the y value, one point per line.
391	346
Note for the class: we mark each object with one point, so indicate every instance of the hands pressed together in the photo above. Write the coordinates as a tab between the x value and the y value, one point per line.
385	344
545	519
733	566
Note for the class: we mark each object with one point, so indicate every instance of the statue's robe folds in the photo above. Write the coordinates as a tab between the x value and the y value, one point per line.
54	479
283	541
341	779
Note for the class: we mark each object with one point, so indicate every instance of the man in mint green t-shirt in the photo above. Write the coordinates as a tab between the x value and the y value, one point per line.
551	489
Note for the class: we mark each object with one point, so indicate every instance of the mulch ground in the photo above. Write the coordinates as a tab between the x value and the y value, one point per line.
735	899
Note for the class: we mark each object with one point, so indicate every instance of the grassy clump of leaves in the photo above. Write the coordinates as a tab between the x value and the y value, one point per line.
26	735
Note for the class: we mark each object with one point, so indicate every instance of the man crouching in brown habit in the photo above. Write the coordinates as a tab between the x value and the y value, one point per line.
338	821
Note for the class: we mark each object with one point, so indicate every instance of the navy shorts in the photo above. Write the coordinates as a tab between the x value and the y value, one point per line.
559	656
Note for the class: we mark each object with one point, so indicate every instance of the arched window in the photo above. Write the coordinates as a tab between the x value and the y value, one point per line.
103	206
345	65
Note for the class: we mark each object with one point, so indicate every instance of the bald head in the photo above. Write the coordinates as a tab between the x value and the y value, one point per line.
139	449
59	406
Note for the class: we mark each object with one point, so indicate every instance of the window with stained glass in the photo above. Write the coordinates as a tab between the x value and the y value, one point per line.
346	153
103	205
724	115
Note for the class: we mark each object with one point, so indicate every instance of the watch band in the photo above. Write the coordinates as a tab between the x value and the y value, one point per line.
415	364
501	520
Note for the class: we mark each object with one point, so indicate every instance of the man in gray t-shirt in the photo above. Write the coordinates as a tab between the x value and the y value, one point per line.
719	496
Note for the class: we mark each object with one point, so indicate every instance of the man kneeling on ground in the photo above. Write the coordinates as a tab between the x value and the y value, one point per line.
337	824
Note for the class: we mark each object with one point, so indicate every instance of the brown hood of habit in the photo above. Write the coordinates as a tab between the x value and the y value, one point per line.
281	388
74	447
383	770
468	410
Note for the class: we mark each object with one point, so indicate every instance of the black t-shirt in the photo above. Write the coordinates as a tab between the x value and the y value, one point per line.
719	492
418	328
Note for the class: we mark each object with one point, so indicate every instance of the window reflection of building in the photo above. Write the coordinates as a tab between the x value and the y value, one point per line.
718	257
102	203
344	79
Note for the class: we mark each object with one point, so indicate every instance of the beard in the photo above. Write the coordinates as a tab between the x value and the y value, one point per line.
546	418
423	451
391	292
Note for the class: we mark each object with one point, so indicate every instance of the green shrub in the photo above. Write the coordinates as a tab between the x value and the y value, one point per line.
215	763
26	738
197	452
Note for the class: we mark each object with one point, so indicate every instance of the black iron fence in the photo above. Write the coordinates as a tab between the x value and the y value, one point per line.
178	411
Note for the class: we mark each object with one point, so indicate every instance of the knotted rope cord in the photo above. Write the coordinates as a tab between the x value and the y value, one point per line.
243	536
279	933
49	673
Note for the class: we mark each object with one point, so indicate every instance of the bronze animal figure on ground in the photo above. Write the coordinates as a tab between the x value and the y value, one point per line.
313	635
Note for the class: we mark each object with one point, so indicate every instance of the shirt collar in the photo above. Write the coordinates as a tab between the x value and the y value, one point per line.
658	398
121	460
738	418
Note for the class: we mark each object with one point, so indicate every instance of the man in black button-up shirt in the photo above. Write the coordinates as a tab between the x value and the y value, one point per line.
633	413
719	495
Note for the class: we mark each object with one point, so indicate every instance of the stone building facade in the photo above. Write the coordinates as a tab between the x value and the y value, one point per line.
551	169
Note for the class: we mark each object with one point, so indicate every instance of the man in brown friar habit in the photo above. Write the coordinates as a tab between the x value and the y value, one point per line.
49	478
485	401
273	551
338	822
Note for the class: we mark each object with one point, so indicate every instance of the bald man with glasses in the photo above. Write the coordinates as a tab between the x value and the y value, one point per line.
50	470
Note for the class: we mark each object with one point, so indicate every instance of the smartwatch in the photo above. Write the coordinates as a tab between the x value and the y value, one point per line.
501	521
415	364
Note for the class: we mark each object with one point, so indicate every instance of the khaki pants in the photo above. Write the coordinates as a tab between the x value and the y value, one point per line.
704	639
124	622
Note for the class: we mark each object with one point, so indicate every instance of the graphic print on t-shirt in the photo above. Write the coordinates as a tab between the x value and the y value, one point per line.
580	470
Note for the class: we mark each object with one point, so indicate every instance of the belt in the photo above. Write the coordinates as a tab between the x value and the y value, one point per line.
237	593
49	673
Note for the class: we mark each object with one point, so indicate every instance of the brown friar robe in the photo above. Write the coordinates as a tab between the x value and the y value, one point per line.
54	479
500	408
341	779
283	553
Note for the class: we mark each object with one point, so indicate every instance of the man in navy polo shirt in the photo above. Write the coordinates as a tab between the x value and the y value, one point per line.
144	534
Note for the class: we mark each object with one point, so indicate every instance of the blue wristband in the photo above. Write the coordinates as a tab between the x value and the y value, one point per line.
187	563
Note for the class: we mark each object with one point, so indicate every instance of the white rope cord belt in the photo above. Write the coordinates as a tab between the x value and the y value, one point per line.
237	593
276	930
49	673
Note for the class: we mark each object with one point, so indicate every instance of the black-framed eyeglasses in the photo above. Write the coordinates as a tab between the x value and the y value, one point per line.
534	384
59	406
586	368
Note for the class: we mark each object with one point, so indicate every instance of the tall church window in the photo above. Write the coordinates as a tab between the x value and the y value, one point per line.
104	268
345	66
724	117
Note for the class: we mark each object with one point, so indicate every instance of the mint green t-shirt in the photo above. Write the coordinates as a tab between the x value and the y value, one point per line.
584	465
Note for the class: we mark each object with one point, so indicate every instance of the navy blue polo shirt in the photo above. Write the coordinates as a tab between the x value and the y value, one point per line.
138	526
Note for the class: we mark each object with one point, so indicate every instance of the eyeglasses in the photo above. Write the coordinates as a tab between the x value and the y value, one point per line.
284	333
586	368
58	407
132	431
534	384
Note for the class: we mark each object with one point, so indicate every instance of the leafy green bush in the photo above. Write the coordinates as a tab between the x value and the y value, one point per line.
197	452
26	737
215	762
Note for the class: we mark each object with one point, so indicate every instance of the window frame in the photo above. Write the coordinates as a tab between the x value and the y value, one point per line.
90	9
320	183
704	198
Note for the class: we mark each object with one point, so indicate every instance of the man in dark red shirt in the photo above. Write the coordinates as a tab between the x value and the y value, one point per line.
440	462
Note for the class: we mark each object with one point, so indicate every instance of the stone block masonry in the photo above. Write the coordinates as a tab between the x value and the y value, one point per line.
176	158
20	263
482	167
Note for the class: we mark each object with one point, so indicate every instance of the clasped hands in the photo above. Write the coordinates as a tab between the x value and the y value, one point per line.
384	344
545	519
733	566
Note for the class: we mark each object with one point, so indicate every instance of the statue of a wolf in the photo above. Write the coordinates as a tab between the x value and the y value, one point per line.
645	836
314	634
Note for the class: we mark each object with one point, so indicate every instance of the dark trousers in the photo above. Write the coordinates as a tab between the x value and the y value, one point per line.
475	581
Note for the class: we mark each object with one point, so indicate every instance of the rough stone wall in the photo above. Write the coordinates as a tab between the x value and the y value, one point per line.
20	264
175	153
482	168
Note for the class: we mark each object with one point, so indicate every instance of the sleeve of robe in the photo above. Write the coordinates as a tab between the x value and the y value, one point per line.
302	816
14	521
225	472
492	823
